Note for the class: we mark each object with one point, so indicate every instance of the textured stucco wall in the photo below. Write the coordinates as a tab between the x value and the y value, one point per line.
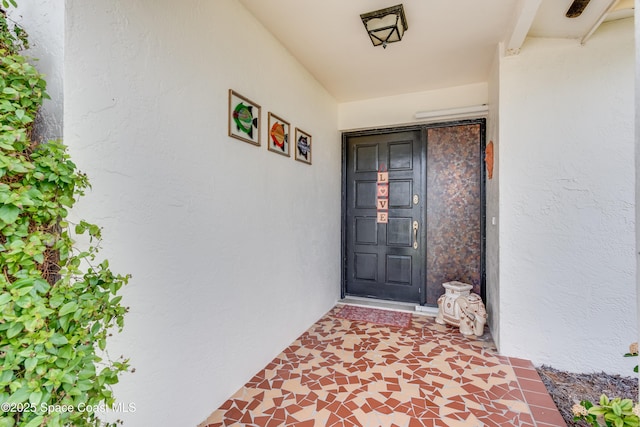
234	250
567	264
492	261
44	22
637	160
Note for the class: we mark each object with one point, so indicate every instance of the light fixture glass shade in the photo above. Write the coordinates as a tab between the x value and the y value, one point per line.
386	25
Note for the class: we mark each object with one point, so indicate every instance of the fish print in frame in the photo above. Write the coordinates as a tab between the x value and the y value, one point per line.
303	146
278	135
244	118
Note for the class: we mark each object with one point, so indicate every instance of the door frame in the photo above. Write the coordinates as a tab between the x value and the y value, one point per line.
422	179
423	236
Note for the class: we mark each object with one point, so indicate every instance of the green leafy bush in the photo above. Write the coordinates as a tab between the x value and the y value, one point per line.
58	304
616	412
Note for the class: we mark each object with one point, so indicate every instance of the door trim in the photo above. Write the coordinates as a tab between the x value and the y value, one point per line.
423	131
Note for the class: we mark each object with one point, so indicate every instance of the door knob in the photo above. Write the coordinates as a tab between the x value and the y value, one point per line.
415	234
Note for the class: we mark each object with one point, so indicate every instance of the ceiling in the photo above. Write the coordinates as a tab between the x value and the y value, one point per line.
447	43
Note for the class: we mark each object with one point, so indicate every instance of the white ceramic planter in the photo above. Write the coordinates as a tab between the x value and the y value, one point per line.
448	310
458	306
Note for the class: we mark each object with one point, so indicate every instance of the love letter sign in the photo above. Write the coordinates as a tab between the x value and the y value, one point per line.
382	201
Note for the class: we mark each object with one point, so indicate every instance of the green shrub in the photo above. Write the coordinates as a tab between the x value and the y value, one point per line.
58	304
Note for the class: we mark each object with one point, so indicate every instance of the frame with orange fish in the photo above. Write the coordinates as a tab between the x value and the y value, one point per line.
278	135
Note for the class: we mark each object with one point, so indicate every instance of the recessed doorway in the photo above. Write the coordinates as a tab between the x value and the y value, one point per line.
433	231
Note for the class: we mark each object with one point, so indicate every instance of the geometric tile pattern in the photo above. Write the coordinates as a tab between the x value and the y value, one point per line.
353	373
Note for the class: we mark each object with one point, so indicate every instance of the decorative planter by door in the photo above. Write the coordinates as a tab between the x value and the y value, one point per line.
460	307
448	310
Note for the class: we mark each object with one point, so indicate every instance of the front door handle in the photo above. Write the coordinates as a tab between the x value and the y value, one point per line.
415	234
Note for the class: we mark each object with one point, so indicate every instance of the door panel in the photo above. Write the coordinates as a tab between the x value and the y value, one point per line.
399	232
365	193
366	158
366	230
400	193
380	259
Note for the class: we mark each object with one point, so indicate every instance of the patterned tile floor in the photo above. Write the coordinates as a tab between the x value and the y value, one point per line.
353	373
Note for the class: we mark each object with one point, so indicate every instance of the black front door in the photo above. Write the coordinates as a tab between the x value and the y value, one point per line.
384	256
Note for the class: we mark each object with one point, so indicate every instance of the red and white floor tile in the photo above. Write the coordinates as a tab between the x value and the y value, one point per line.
343	372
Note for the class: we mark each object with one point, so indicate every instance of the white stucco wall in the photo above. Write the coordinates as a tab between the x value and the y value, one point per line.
637	160
567	264
234	250
492	204
401	109
43	20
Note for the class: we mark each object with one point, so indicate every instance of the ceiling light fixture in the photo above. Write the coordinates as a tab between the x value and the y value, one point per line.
386	25
576	8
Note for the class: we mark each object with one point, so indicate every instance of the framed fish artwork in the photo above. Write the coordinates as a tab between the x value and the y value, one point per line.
303	146
278	135
244	118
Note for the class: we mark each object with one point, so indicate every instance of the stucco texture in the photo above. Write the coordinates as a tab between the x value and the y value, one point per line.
234	250
567	263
